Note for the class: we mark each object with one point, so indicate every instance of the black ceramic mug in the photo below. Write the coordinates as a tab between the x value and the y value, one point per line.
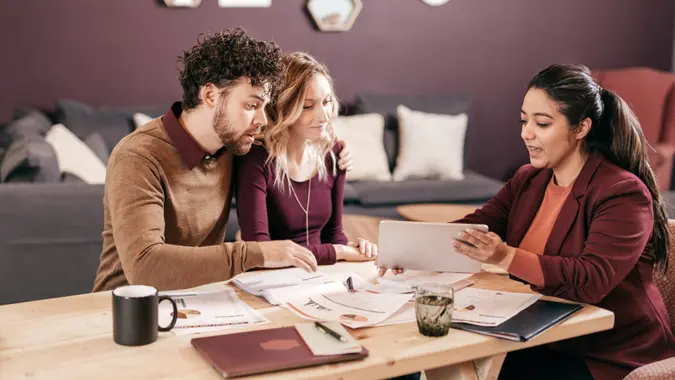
135	315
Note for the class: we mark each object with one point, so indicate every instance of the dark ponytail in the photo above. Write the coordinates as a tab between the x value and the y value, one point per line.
615	132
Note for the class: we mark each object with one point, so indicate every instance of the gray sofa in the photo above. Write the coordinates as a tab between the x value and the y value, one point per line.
50	226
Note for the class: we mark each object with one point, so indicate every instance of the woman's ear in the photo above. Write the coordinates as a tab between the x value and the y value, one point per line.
584	128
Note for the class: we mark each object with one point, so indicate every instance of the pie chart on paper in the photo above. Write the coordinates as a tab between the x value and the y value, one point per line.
353	318
187	314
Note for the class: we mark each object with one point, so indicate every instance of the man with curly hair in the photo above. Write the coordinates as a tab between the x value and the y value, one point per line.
168	184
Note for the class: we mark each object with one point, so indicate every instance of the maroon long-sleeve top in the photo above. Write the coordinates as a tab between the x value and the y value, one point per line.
595	254
267	212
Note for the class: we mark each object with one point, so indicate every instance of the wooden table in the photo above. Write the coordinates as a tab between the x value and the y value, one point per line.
71	338
431	212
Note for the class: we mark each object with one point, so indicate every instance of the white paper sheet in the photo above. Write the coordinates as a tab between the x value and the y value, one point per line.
352	309
504	304
406	314
280	296
404	283
489	307
208	311
257	283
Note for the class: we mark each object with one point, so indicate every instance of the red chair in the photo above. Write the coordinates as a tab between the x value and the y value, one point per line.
664	369
651	95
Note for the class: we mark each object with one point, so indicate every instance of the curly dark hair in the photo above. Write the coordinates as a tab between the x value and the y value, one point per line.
228	55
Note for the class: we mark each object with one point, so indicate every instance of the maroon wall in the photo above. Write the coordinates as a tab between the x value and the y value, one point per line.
123	52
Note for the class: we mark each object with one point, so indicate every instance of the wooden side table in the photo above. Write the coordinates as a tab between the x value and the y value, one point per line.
439	213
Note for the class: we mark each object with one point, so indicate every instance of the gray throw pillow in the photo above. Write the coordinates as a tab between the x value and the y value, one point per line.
112	123
95	142
68	177
30	122
30	159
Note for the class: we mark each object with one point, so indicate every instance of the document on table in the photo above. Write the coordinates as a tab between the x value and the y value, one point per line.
332	283
259	283
475	306
352	309
406	282
489	307
200	311
406	314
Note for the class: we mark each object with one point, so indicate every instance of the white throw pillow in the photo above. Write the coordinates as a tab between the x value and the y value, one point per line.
363	134
141	119
74	156
430	145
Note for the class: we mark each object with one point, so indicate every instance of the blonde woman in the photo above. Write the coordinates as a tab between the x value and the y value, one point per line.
289	187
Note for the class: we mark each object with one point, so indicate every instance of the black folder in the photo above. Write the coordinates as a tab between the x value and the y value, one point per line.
535	319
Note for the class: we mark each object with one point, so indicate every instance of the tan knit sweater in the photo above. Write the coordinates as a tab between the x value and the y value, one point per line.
165	224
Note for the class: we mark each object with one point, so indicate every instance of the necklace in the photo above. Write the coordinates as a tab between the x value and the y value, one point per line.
305	210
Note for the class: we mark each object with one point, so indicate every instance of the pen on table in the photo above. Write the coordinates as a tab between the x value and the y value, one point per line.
330	332
350	284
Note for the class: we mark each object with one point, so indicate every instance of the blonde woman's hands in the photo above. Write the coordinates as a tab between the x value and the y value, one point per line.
363	250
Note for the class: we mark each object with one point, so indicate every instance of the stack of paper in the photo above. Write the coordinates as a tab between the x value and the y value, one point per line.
208	311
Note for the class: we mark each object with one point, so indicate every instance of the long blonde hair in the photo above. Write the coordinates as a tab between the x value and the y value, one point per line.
299	70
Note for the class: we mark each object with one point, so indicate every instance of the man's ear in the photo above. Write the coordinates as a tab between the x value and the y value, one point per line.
584	128
208	94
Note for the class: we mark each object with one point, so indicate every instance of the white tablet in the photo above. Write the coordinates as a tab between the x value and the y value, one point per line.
424	246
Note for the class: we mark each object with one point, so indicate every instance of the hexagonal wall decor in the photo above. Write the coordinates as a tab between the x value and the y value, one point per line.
435	3
334	15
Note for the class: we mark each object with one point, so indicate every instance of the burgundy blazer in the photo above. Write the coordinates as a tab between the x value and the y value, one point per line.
595	255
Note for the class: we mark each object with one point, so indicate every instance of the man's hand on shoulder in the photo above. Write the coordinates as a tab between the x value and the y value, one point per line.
345	161
285	253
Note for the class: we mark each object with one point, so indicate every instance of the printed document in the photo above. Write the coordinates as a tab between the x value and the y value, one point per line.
200	311
406	282
489	307
352	309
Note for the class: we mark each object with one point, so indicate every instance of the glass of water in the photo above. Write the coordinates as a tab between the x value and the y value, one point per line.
433	308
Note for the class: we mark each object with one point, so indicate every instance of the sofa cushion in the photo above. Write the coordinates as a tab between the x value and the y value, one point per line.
30	159
52	246
112	123
75	157
431	145
364	134
28	122
140	119
473	188
350	194
446	104
95	142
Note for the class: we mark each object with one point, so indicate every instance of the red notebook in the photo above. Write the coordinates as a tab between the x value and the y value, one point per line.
255	352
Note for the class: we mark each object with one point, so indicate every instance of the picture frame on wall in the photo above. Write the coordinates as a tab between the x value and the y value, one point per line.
244	3
435	3
181	3
334	15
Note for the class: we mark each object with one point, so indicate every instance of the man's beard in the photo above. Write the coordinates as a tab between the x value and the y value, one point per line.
225	130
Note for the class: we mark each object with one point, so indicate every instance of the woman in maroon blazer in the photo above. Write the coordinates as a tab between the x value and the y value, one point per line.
584	222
